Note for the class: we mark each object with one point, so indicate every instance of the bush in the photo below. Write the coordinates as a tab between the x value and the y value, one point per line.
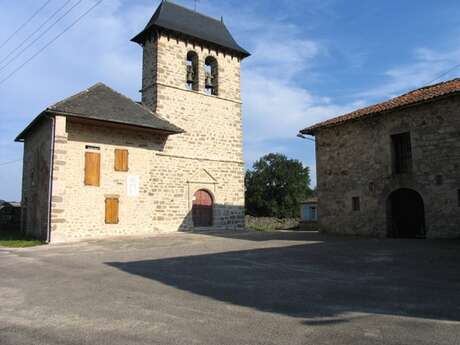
271	224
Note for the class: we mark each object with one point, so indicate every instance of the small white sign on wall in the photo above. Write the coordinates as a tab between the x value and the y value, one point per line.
132	184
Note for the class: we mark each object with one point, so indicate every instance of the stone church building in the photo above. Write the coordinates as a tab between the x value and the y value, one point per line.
392	169
100	164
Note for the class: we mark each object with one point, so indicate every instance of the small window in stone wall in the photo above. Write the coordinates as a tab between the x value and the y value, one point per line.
402	153
356	203
439	180
313	214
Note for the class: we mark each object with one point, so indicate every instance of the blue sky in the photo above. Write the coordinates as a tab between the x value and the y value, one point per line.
312	60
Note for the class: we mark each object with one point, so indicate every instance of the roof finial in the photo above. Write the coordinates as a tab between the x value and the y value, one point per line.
222	19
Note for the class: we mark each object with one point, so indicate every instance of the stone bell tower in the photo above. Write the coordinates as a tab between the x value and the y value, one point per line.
191	77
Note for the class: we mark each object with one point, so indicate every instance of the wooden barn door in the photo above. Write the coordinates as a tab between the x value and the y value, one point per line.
202	209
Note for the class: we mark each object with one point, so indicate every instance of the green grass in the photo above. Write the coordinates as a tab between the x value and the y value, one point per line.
15	239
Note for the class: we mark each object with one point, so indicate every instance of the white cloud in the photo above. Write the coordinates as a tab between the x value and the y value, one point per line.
276	109
427	65
275	104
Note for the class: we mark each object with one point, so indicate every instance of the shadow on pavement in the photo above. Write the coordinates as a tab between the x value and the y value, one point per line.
322	281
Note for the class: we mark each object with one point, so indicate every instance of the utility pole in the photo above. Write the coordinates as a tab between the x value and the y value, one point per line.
195	1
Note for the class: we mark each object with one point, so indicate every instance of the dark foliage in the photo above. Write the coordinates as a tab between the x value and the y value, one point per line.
275	187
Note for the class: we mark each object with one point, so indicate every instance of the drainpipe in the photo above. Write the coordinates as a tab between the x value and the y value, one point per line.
50	182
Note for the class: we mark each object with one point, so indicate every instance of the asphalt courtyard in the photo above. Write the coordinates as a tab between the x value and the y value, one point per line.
222	289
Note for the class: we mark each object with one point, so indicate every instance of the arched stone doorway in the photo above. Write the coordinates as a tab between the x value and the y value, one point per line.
202	208
406	214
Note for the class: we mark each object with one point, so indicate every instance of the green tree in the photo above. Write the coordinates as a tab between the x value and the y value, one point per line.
275	186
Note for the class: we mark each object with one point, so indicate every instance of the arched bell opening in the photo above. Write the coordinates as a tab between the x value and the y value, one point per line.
211	76
192	71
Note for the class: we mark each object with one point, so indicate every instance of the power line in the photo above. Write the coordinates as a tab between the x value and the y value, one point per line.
10	162
33	33
444	73
51	42
25	23
40	36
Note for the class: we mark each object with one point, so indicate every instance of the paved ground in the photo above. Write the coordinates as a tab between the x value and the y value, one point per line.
251	288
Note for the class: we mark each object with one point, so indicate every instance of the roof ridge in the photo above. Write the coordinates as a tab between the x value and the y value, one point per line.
194	12
141	105
411	98
124	96
137	104
75	95
161	117
424	88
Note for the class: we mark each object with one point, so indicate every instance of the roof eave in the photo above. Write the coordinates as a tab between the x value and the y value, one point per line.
140	39
80	116
307	131
21	136
314	129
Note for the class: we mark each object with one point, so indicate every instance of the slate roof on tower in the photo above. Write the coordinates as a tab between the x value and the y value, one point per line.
101	103
176	18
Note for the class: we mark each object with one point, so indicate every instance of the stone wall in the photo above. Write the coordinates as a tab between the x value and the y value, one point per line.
209	155
35	180
167	185
213	124
355	160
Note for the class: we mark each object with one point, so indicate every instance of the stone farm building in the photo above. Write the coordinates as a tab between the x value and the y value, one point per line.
99	164
392	169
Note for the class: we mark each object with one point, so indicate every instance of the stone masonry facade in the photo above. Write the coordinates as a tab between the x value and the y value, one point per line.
207	156
354	159
36	181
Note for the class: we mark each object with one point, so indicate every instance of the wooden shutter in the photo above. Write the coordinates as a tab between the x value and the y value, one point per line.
111	210
121	160
92	168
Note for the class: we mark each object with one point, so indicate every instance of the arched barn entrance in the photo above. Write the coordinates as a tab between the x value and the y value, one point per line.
202	208
406	214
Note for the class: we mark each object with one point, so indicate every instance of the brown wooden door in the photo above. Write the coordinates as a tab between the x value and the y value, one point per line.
202	209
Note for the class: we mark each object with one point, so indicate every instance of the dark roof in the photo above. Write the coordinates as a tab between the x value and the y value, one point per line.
183	20
424	94
311	200
9	204
101	103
